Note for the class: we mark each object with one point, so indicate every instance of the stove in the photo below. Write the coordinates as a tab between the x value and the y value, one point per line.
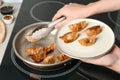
33	11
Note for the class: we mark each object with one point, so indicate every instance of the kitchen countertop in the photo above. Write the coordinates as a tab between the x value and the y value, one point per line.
9	27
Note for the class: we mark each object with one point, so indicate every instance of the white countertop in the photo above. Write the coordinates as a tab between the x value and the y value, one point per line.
9	27
12	1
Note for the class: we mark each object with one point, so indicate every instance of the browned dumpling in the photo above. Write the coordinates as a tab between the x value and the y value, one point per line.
50	47
87	41
49	59
69	37
92	31
38	53
78	26
33	50
62	57
30	39
39	56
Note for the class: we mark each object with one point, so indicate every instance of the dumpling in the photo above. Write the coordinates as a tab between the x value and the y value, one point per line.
39	56
78	26
69	37
30	39
38	53
33	50
92	31
62	57
87	41
49	59
50	47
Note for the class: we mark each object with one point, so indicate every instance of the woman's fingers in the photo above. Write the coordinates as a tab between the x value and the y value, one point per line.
61	23
106	60
59	13
56	16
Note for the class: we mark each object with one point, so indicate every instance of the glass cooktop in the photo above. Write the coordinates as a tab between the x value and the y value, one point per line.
33	11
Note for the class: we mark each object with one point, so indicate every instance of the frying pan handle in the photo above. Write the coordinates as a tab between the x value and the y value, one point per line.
35	76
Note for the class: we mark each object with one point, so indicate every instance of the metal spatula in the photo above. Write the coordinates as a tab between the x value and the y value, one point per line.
41	33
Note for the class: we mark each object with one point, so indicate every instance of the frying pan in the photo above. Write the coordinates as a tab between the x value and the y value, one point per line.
20	43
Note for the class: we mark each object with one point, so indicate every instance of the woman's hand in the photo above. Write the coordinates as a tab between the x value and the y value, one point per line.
72	11
110	60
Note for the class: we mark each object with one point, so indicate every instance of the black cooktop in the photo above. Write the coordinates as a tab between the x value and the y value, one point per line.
33	11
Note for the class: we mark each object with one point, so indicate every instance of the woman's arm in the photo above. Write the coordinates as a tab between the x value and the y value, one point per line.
73	10
103	6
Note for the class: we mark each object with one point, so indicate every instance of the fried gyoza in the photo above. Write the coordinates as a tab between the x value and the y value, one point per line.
50	47
92	31
39	53
69	37
62	57
78	26
49	60
39	57
33	50
87	41
30	39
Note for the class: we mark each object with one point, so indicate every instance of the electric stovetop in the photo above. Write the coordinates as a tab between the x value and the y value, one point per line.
33	11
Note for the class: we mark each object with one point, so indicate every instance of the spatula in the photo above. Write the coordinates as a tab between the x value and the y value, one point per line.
43	32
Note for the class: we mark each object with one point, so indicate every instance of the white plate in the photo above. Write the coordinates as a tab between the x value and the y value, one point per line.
105	41
2	31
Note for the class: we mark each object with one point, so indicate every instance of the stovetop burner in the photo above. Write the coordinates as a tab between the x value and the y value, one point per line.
115	18
33	11
44	10
63	72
